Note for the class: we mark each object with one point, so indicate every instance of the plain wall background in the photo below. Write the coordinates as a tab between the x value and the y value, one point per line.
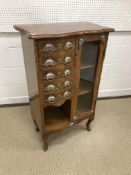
115	80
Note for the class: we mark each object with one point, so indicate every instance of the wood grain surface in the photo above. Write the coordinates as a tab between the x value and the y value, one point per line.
55	30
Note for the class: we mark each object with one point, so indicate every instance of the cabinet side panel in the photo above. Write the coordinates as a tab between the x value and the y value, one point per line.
32	81
104	39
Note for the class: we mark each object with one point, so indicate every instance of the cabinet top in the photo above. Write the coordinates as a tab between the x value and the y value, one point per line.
56	30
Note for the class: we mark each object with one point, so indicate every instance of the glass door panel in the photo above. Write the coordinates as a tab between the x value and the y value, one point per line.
84	102
89	53
88	63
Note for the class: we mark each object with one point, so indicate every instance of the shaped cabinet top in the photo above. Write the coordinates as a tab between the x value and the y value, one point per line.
56	30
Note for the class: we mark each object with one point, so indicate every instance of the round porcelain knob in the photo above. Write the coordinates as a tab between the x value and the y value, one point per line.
50	87
51	99
49	62
67	83
67	72
81	41
68	45
67	94
50	76
68	60
49	48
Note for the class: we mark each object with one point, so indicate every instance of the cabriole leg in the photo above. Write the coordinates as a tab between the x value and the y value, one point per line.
88	127
45	139
37	129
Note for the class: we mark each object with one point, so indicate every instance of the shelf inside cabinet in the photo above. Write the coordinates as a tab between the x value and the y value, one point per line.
55	119
86	66
85	86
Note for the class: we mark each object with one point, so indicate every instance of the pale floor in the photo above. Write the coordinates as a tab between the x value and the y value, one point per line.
106	150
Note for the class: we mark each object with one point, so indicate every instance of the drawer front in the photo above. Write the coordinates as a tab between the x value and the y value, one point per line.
57	99
53	87
53	60
56	74
50	46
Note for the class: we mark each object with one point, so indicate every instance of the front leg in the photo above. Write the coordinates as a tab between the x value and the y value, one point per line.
88	127
37	129
45	139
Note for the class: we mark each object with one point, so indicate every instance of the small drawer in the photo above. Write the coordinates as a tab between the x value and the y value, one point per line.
58	68
61	81
53	60
57	91
56	74
56	45
56	87
57	100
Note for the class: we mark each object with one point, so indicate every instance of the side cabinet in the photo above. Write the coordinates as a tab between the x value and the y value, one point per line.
63	65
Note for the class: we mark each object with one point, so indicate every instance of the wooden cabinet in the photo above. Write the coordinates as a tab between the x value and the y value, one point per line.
63	67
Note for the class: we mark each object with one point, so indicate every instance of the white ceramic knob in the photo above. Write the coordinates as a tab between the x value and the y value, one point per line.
51	99
50	87
49	62
67	94
68	45
50	76
67	72
81	41
49	48
67	83
68	60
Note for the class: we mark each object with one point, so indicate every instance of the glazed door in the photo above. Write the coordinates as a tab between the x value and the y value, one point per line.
90	56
